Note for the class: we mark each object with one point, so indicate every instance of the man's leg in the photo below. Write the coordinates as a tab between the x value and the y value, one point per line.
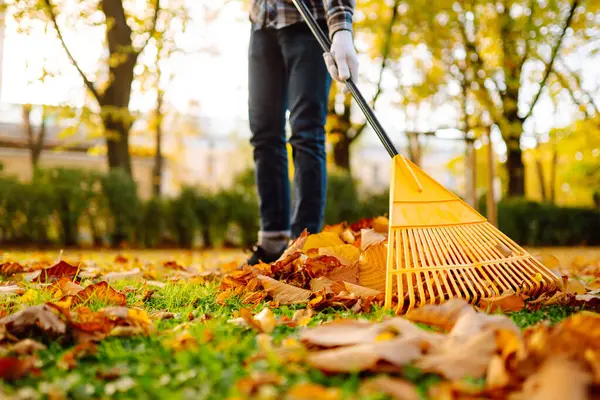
267	105
308	91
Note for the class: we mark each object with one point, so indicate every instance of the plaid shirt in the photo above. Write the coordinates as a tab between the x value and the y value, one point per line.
280	13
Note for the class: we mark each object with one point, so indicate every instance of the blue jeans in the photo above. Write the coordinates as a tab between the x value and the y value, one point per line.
287	72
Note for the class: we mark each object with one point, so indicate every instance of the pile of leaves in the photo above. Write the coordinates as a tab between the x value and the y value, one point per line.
343	266
476	355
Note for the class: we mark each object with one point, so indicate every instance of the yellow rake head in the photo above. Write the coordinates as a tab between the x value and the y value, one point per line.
439	247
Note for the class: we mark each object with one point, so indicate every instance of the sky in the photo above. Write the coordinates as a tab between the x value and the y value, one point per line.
216	82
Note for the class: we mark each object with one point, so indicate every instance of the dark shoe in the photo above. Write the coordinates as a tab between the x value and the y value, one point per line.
259	254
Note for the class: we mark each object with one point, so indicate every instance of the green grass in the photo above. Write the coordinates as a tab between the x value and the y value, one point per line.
150	369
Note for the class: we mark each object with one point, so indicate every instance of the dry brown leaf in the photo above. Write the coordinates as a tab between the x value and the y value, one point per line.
557	379
295	246
100	291
346	253
57	271
161	315
122	275
509	301
27	347
11	268
34	320
282	292
472	323
346	273
266	320
302	317
372	267
323	239
362	357
469	358
318	284
312	391
368	238
396	388
443	316
360	291
341	333
14	368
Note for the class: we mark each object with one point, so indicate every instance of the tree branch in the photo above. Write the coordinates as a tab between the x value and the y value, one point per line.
573	75
152	28
384	56
86	81
554	53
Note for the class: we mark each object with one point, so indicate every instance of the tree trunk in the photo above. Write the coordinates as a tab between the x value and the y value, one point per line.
515	168
158	159
552	188
341	153
542	182
114	102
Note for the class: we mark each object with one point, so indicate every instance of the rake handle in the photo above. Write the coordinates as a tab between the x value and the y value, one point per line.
358	97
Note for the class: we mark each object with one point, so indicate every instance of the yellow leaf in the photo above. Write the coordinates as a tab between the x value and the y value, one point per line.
575	286
266	319
323	239
346	253
311	391
372	267
381	224
386	335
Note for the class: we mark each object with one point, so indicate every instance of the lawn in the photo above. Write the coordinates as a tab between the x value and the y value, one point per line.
191	342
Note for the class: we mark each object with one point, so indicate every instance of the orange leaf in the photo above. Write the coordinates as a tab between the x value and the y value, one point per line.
57	271
508	301
372	267
102	292
311	391
394	387
346	253
11	268
323	239
69	359
13	368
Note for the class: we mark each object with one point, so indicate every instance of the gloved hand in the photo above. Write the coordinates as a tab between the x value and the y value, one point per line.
342	61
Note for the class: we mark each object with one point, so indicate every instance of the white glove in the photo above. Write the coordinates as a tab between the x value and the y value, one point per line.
342	61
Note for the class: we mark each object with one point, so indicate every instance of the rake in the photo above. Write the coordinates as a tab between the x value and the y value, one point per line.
438	246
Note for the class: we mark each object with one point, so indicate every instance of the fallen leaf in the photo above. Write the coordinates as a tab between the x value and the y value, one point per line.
100	291
318	284
62	269
183	342
266	320
162	315
372	266
497	376
302	317
296	246
122	275
255	297
461	359
557	379
443	316
341	333
471	323
11	268
509	301
380	224
251	384
312	391
362	357
360	291
69	359
66	287
111	373
574	286
396	388
27	347
368	238
323	239
282	292
121	259
14	368
34	321
346	273
10	289
346	253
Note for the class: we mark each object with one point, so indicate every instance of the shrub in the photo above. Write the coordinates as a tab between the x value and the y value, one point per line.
71	191
153	223
120	192
182	217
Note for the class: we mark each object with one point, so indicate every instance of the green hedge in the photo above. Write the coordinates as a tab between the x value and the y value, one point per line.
540	224
72	207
